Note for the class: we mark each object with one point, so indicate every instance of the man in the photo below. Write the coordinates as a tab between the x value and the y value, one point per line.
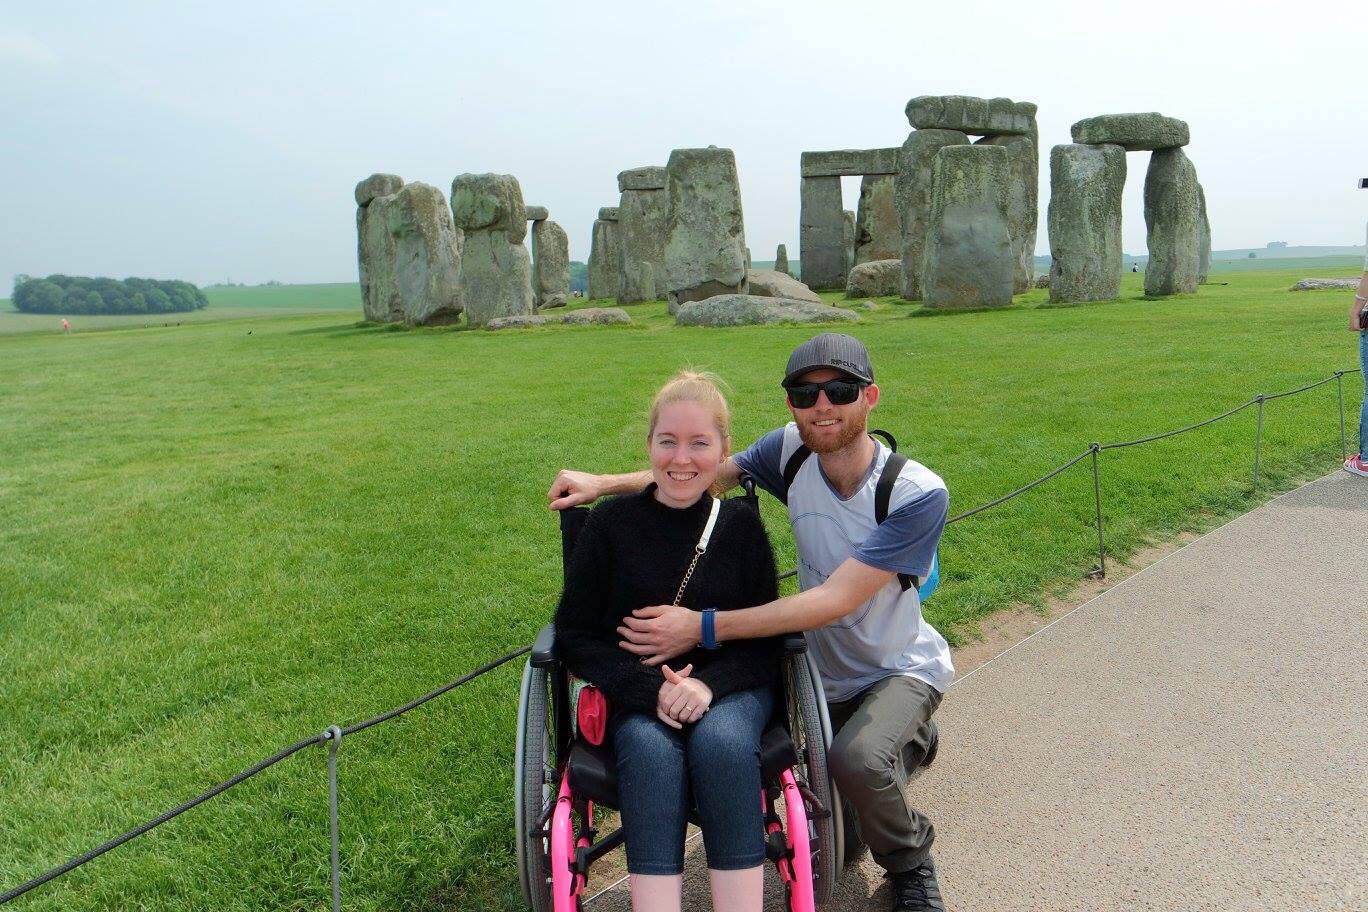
884	668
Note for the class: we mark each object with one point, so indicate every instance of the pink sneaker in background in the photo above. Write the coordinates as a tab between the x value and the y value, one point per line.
1356	466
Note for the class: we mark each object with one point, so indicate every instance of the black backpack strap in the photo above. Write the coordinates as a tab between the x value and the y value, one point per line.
883	493
795	462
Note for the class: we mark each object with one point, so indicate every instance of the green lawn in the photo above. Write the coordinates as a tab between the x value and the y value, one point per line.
218	538
224	304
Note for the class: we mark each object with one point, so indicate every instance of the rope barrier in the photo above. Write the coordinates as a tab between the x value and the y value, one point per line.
333	736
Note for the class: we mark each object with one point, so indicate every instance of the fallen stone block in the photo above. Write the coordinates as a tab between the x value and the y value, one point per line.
874	279
595	316
603	316
1317	284
767	283
746	310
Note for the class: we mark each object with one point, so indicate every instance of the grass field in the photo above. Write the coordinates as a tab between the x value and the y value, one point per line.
224	304
218	538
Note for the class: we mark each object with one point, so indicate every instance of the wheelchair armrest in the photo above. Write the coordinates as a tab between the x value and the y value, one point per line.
544	648
794	644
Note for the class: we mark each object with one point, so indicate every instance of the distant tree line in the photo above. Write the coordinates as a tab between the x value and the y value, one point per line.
61	294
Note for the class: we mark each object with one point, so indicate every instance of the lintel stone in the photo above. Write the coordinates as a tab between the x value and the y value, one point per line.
1133	132
537	213
967	114
849	162
649	178
609	213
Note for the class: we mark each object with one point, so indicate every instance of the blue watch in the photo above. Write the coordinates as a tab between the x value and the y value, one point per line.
710	628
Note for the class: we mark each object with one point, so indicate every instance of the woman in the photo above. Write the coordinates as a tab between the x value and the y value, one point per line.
690	736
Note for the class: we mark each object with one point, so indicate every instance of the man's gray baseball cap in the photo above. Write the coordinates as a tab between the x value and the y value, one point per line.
834	350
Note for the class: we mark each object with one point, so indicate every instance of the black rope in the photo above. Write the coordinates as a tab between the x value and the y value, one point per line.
158	821
1190	427
432	695
1023	489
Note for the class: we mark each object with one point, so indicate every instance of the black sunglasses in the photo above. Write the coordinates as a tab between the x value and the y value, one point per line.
838	392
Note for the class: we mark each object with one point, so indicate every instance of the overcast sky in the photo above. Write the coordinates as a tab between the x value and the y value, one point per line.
214	141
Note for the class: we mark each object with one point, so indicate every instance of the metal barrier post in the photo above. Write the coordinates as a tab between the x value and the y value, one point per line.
1101	570
1339	391
1258	440
334	736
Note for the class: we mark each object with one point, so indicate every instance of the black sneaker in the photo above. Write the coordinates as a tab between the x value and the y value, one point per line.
917	890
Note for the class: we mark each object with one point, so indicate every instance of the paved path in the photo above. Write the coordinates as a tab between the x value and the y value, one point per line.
1194	738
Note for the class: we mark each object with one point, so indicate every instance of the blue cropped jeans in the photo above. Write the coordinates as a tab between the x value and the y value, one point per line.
713	764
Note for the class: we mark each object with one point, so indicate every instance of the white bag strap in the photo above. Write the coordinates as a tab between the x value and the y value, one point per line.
708	528
700	547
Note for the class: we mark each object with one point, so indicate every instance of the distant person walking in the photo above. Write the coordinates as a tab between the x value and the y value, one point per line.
66	325
1358	322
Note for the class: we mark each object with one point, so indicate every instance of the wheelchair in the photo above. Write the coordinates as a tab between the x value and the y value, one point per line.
561	778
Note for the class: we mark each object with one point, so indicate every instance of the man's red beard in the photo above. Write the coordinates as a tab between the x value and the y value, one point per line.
852	429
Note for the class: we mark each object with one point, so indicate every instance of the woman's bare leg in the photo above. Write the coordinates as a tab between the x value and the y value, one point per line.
656	892
738	891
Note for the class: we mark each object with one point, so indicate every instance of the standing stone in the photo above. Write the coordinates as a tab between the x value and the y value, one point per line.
781	263
969	260
551	269
912	192
1172	220
1086	183
1022	201
375	250
705	249
877	235
427	255
642	222
848	235
496	273
821	233
603	255
1203	238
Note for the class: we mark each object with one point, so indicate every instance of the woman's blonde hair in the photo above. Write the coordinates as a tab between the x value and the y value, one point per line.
700	387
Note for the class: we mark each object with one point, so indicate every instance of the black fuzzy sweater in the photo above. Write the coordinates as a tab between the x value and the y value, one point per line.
632	553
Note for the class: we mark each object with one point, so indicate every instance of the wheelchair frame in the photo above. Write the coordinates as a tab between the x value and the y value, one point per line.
557	841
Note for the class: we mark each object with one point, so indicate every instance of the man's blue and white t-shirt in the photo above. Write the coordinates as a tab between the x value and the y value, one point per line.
887	635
